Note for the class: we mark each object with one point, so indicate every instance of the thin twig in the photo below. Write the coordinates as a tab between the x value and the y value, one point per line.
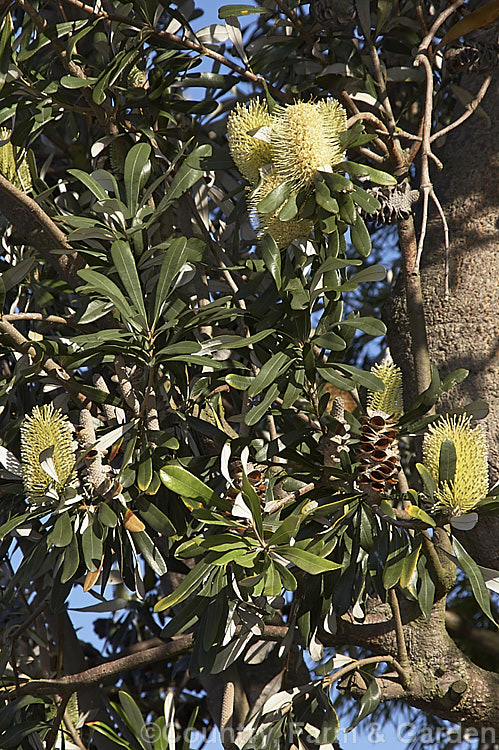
402	656
440	19
183	43
470	109
357	664
56	319
278	504
73	731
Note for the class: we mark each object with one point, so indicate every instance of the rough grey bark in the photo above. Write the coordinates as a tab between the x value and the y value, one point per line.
463	331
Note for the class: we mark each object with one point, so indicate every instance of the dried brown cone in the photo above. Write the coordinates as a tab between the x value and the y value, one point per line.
378	452
396	203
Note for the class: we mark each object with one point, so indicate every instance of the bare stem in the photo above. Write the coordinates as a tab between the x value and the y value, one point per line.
470	109
403	659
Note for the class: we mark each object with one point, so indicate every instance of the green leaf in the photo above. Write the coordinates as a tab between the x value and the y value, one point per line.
226	11
99	283
92	548
366	379
370	701
275	198
272	258
144	471
290	208
271	370
375	272
127	270
416	512
305	560
187	176
329	341
136	173
257	412
475	577
447	461
189	584
365	200
253	502
360	237
375	175
71	560
426	590
371	326
324	198
337	182
427	478
90	183
151	553
175	257
62	533
154	517
134	718
185	484
239	382
335	378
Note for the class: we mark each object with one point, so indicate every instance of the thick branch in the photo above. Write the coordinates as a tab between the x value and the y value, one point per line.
37	229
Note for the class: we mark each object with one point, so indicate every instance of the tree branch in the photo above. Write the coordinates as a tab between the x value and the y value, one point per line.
37	229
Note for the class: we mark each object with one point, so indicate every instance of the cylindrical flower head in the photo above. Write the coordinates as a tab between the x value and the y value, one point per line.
305	138
250	153
13	169
284	232
45	428
390	400
470	483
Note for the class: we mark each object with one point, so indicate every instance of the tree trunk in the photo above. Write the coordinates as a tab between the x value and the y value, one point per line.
463	331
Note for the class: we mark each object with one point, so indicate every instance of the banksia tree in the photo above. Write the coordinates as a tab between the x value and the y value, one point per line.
455	454
47	454
378	448
284	232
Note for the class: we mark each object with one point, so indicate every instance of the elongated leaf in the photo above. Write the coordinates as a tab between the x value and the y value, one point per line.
225	11
152	555
360	237
258	412
125	265
272	258
134	718
371	326
271	370
376	272
480	17
416	512
187	176
475	578
305	560
367	379
190	583
92	548
62	533
136	172
99	283
71	560
253	501
90	183
175	257
428	481
275	198
375	175
365	200
370	701
185	484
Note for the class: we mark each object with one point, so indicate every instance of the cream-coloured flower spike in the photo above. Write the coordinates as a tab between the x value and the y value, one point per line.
249	152
13	169
470	483
305	138
44	429
284	232
390	400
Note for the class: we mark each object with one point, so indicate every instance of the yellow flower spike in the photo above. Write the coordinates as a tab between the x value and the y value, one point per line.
249	152
46	428
13	169
284	232
390	400
305	138
470	483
